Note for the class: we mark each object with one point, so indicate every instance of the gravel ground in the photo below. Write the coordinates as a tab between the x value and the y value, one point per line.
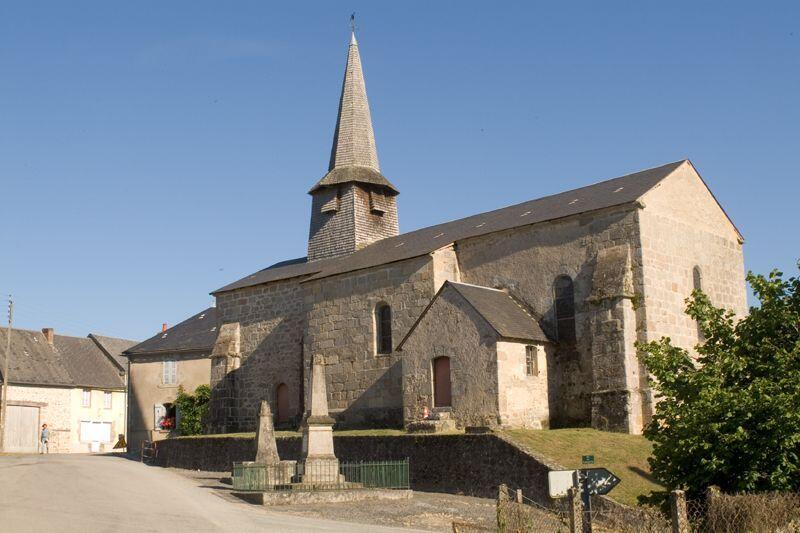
425	510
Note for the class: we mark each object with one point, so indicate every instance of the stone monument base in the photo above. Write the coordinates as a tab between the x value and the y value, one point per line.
295	497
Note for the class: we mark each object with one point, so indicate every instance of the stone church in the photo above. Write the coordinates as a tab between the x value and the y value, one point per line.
521	316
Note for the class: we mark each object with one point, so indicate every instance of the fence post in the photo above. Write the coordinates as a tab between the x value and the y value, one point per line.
519	495
677	506
575	510
502	503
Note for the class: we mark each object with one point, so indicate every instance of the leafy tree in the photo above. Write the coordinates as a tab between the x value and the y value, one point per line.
193	409
731	417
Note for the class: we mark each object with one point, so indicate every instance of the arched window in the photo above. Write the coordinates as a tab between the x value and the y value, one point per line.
282	403
697	284
383	328
565	309
442	393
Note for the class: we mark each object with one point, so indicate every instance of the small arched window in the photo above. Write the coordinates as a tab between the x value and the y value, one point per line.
565	309
697	284
383	328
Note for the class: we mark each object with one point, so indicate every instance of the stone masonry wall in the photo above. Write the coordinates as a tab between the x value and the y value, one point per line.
474	465
523	400
452	328
527	260
683	227
54	410
272	321
364	388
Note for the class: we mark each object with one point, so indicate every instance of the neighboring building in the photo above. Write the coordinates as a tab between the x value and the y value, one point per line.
592	271
175	357
75	385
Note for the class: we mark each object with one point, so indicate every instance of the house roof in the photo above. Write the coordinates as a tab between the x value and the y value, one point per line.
196	333
113	348
614	192
500	311
69	361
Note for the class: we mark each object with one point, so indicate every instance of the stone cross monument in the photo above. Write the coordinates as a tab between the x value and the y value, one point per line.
321	465
266	448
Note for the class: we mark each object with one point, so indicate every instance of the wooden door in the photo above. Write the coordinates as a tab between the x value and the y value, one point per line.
282	401
441	382
23	429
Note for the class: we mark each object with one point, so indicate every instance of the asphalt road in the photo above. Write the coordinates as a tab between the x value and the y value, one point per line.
91	493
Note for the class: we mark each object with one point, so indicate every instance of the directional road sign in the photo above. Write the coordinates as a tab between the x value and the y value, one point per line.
599	480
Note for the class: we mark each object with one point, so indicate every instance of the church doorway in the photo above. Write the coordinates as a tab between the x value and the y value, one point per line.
441	382
282	402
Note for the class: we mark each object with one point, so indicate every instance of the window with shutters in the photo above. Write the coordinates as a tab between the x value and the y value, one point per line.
170	372
565	309
86	398
383	329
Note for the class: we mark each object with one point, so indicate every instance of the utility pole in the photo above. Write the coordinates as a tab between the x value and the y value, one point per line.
5	375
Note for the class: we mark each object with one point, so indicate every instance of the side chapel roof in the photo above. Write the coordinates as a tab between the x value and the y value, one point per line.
500	311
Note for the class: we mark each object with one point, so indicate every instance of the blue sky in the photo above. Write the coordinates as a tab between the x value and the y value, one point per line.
151	152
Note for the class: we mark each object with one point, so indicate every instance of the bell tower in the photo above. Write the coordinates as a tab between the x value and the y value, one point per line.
353	205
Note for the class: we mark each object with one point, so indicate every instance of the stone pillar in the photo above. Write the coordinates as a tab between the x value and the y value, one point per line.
680	518
616	397
266	448
575	510
225	360
320	462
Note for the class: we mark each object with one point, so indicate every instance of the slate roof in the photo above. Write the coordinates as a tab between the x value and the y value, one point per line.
509	319
69	362
197	333
614	192
113	348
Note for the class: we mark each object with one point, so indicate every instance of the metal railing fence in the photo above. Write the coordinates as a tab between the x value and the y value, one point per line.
320	475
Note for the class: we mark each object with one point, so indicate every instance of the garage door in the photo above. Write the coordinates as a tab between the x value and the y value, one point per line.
23	429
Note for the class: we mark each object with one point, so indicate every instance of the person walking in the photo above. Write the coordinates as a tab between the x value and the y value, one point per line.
45	439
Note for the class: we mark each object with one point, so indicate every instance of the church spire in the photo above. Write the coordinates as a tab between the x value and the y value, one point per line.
353	205
353	139
354	157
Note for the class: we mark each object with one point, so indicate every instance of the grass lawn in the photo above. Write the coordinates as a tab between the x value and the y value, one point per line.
624	455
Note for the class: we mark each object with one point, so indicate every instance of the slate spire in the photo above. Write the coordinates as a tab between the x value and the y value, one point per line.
353	138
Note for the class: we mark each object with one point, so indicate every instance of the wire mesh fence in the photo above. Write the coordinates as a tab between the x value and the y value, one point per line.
320	475
518	513
621	519
738	513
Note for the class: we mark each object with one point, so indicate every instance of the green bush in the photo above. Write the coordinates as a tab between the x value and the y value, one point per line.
731	417
193	409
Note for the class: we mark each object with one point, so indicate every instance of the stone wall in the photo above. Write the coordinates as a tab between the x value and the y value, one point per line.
364	387
523	400
452	328
474	465
54	410
526	261
683	227
272	322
